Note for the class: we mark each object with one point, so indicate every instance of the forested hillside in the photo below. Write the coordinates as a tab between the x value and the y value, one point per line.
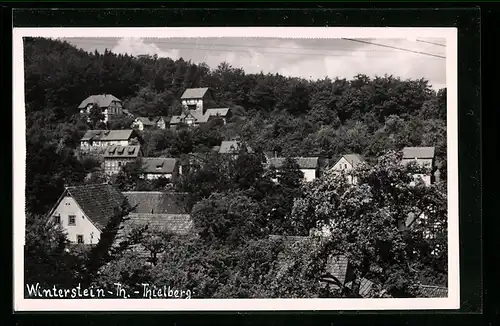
326	117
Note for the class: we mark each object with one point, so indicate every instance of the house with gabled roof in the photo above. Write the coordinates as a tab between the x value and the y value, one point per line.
195	111
98	140
424	157
347	163
142	123
115	157
158	167
83	212
308	165
110	106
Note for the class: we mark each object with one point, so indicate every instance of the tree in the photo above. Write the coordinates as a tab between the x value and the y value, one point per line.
384	225
96	115
130	177
229	219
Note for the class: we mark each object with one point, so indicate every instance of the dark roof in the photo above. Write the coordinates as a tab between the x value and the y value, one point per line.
231	146
97	201
303	162
176	223
102	100
418	152
354	159
108	135
147	120
159	165
222	112
365	287
197	115
113	151
429	291
192	93
157	202
337	266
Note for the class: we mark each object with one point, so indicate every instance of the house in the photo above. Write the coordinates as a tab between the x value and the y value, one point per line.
83	212
157	167
308	165
98	140
110	106
142	123
162	122
232	147
424	157
194	99
117	156
346	164
195	111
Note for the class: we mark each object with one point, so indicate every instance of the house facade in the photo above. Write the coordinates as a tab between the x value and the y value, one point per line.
346	164
115	157
195	111
308	165
110	106
424	157
98	140
158	167
84	211
162	122
142	123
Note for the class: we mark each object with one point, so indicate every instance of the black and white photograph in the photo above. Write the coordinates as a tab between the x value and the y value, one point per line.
288	168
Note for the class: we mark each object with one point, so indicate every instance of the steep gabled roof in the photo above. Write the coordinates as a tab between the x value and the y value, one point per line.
157	202
102	100
194	93
98	201
418	152
303	162
354	159
159	165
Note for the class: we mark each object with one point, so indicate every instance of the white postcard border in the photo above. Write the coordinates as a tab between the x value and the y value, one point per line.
19	182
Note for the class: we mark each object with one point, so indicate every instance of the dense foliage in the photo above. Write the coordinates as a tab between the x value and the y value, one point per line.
236	204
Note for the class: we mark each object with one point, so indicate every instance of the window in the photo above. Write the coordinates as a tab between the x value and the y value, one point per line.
57	219
79	238
72	220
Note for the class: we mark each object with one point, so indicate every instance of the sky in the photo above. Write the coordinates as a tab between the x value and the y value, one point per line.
307	58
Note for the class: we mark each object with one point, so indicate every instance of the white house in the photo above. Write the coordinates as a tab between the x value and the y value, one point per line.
308	165
84	211
157	167
195	111
142	123
424	157
346	164
110	106
98	140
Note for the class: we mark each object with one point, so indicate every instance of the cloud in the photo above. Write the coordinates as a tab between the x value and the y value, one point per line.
137	46
304	58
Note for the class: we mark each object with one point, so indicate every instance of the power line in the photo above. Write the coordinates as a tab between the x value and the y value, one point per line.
168	42
395	47
324	54
439	44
